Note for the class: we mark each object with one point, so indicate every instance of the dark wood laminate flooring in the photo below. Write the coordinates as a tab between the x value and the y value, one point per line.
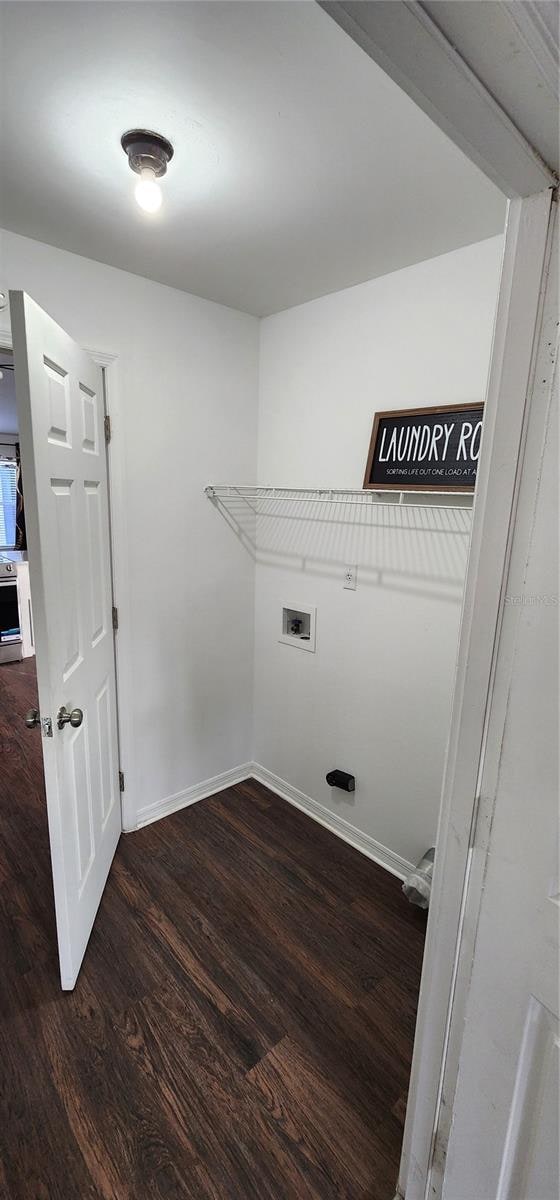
242	1026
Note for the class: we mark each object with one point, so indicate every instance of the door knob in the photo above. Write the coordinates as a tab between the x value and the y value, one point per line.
32	718
73	718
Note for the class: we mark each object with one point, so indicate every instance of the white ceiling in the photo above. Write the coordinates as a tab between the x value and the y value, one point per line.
299	167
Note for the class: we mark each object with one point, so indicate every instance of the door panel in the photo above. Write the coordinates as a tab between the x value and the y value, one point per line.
528	1166
98	583
60	396
504	1136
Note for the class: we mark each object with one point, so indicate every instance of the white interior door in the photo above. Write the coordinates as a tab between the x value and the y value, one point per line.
60	405
508	474
503	1143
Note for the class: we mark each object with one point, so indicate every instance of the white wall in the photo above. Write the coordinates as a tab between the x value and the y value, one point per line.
186	374
375	698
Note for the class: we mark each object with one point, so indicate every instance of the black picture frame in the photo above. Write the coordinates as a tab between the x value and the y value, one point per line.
446	463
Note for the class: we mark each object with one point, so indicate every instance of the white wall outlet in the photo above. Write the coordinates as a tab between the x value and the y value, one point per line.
350	578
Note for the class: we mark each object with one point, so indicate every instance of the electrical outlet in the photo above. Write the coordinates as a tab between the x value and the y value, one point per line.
350	578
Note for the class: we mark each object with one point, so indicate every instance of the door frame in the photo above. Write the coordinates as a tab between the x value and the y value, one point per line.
116	481
485	846
445	87
435	80
118	539
459	874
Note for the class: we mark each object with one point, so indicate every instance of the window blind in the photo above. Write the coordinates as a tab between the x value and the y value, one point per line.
8	480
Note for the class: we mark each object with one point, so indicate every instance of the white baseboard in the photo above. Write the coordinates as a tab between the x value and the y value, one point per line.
361	841
199	791
343	829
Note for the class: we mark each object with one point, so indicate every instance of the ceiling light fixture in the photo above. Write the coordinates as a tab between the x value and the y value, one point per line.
148	155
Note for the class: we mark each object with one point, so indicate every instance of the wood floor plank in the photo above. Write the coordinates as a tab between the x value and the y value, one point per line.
308	1005
40	1157
242	1026
296	1091
202	1087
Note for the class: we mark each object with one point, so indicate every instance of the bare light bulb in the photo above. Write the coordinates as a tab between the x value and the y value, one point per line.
147	191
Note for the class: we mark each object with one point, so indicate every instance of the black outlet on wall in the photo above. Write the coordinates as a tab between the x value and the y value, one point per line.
341	779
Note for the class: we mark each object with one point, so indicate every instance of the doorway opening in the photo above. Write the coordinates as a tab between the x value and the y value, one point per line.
255	965
26	893
347	945
16	619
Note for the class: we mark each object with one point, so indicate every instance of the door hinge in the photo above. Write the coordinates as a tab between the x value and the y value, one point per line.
107	428
115	617
121	781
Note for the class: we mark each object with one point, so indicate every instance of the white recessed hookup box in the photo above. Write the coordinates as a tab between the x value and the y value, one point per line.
298	626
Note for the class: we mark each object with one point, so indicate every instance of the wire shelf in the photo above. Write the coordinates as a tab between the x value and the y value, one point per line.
255	496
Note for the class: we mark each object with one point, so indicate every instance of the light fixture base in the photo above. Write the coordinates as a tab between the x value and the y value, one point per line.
147	150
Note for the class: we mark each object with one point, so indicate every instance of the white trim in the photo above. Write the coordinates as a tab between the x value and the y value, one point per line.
100	356
407	44
116	458
191	795
445	974
540	393
343	829
528	22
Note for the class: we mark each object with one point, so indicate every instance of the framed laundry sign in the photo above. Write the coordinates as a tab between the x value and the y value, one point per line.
425	449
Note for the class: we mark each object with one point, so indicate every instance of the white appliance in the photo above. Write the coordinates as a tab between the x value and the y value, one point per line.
16	621
11	641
